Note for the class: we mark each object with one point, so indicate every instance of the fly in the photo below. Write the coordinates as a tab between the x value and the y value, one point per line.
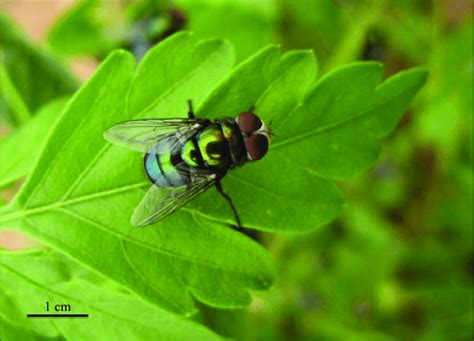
185	157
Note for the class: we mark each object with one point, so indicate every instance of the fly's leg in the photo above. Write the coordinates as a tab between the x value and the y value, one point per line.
229	200
190	110
250	233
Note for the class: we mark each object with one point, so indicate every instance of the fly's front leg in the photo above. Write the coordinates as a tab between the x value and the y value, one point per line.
190	110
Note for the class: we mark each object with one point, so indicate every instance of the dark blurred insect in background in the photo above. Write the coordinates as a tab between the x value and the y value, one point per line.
185	157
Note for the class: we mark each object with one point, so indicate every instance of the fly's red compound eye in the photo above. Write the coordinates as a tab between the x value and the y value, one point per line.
248	122
257	146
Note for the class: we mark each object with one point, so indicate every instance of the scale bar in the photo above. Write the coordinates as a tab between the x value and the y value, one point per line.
57	315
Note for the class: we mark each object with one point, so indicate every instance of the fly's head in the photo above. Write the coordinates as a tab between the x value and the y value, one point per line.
256	135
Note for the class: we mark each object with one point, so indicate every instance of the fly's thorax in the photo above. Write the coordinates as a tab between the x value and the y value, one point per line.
235	141
256	135
210	148
213	147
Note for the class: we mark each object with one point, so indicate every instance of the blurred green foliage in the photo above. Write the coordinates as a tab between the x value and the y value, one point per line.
30	77
399	263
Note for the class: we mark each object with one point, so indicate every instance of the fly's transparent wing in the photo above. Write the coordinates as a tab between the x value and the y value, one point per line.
141	135
160	202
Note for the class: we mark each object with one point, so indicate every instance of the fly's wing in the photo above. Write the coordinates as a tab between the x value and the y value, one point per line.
160	202
141	135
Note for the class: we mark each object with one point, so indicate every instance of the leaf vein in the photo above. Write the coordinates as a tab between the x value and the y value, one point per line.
144	279
168	253
71	299
320	130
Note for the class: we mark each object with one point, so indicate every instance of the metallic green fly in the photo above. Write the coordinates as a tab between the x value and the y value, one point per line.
185	157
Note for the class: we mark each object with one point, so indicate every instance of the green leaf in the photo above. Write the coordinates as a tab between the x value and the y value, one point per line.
331	133
37	76
30	279
82	193
82	31
446	119
351	46
21	149
9	331
12	99
248	25
342	118
261	197
83	190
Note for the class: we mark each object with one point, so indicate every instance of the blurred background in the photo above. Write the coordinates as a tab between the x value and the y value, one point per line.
399	263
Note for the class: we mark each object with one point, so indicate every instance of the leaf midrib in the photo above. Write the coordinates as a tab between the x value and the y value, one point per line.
329	127
58	204
28	211
57	158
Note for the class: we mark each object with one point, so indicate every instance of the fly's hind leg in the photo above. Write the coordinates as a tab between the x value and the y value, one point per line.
229	200
190	110
251	233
